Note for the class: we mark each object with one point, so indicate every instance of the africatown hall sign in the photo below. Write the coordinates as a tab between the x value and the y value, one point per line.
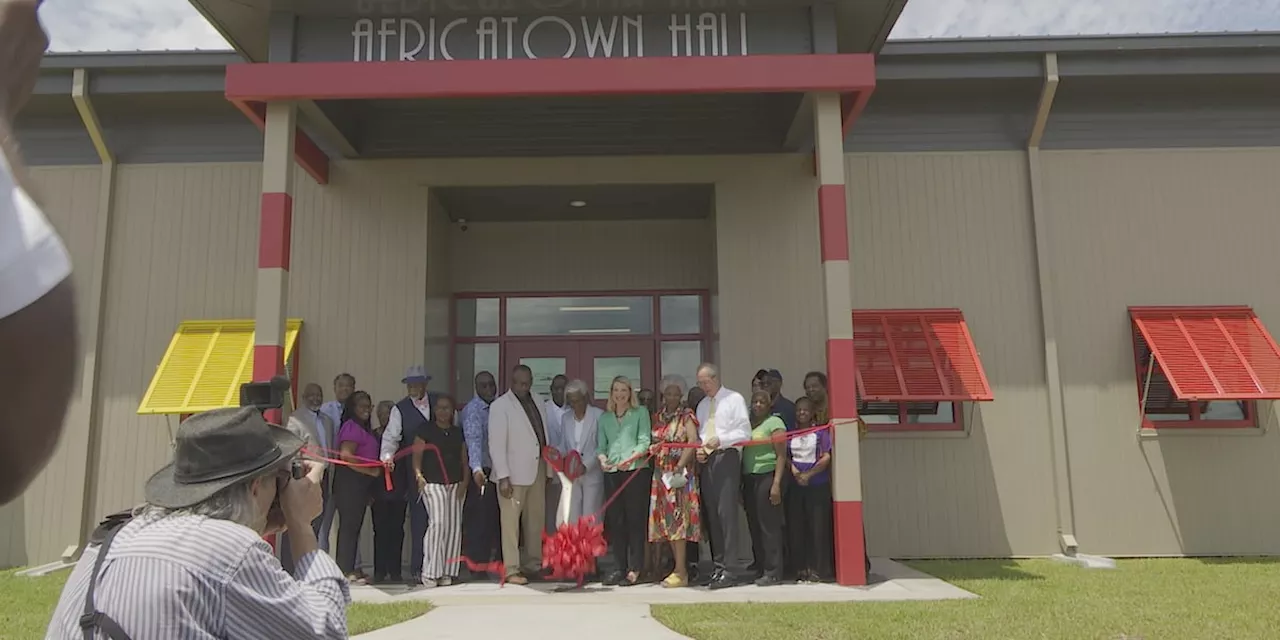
529	37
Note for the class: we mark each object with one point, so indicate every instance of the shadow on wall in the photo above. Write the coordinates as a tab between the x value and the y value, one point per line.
934	497
13	534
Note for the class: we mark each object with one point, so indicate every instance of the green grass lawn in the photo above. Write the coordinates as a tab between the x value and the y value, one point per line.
27	603
1171	599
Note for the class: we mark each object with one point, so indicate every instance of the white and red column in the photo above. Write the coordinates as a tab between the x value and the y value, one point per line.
274	237
833	229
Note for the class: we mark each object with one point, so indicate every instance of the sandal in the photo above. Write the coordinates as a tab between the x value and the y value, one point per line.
674	581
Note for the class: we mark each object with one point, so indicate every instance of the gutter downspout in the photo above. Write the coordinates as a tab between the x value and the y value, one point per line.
94	310
1064	501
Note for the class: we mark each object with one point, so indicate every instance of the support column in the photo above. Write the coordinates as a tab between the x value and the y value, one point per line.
274	235
833	228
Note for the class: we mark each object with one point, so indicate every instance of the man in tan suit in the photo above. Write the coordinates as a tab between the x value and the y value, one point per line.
517	435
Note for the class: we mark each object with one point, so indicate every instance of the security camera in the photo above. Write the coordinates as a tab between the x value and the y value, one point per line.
462	224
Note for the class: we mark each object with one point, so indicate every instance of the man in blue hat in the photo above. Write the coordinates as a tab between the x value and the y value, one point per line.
408	418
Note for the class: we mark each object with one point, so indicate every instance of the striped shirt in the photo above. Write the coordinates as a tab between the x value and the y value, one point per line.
188	577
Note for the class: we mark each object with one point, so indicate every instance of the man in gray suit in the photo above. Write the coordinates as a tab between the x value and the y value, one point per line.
318	432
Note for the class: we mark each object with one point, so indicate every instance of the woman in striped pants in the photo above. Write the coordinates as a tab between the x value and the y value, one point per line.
439	462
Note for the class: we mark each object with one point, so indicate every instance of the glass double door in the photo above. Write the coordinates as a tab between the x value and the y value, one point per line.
596	362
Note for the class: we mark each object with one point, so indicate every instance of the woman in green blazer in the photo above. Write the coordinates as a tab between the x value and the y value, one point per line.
623	435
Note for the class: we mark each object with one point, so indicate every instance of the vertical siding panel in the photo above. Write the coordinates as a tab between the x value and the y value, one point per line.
1185	227
180	250
40	524
954	230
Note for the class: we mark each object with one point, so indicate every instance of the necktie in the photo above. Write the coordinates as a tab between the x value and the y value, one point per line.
711	419
324	444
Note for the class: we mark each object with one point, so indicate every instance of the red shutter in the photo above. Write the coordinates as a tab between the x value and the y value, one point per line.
1211	353
917	354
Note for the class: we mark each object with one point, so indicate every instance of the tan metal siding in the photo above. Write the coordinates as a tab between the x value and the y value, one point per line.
184	246
46	519
1150	228
359	276
581	256
954	230
439	295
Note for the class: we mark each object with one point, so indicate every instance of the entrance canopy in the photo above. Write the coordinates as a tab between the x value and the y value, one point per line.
416	79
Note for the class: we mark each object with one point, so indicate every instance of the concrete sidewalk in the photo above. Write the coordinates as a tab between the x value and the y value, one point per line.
531	621
537	611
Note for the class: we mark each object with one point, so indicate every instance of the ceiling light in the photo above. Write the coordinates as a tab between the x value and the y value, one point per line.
577	204
595	308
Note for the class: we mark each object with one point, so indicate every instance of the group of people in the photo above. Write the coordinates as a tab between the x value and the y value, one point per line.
678	462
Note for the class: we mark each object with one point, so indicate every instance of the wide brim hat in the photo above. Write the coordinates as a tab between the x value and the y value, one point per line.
215	450
416	374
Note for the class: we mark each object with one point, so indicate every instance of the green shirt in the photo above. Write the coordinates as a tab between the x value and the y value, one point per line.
761	458
621	439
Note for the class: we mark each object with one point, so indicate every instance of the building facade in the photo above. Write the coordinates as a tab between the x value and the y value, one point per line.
1036	269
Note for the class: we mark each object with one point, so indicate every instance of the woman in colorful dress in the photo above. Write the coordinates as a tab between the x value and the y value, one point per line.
675	514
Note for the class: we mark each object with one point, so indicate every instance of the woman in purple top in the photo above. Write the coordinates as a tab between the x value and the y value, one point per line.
353	486
809	525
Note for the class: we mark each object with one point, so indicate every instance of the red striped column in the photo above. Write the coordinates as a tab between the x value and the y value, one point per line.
833	228
274	235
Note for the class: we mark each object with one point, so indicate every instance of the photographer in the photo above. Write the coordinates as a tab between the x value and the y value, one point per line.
192	561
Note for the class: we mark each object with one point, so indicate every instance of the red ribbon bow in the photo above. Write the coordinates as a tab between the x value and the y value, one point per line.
571	553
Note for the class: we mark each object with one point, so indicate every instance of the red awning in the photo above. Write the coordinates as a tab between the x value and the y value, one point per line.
1211	353
917	354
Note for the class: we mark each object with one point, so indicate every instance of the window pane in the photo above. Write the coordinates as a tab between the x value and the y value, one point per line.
682	359
477	317
606	369
1222	410
581	316
931	412
472	359
682	314
544	371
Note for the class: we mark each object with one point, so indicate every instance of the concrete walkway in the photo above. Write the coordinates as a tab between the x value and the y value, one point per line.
536	611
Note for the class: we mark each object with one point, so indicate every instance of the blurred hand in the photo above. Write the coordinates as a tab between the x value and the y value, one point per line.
775	495
701	455
422	482
22	45
504	488
479	478
301	500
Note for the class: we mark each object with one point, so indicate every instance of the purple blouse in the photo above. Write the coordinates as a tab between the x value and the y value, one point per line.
807	450
366	444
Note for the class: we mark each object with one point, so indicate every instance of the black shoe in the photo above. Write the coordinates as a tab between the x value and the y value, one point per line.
413	580
723	582
768	581
612	580
706	580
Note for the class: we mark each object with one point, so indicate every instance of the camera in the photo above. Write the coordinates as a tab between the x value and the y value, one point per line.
462	224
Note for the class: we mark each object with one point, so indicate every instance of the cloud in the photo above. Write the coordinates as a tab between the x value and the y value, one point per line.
981	18
126	25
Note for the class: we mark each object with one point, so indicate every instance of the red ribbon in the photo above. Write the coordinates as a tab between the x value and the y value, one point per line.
572	551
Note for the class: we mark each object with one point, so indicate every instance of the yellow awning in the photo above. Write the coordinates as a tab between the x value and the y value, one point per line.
204	366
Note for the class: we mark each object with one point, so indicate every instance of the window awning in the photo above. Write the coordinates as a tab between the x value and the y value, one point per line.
917	354
1211	353
204	366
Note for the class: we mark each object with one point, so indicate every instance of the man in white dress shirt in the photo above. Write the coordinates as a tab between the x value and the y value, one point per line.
409	417
723	424
38	332
317	432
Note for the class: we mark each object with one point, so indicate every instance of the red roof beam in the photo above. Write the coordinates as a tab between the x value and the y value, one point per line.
306	152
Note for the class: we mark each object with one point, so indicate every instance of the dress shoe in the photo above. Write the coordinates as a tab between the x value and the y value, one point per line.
707	579
517	579
723	582
612	580
767	581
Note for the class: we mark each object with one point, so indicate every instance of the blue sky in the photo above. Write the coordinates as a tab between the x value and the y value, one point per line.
121	25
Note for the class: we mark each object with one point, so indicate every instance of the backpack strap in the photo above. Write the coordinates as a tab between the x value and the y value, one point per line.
93	620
